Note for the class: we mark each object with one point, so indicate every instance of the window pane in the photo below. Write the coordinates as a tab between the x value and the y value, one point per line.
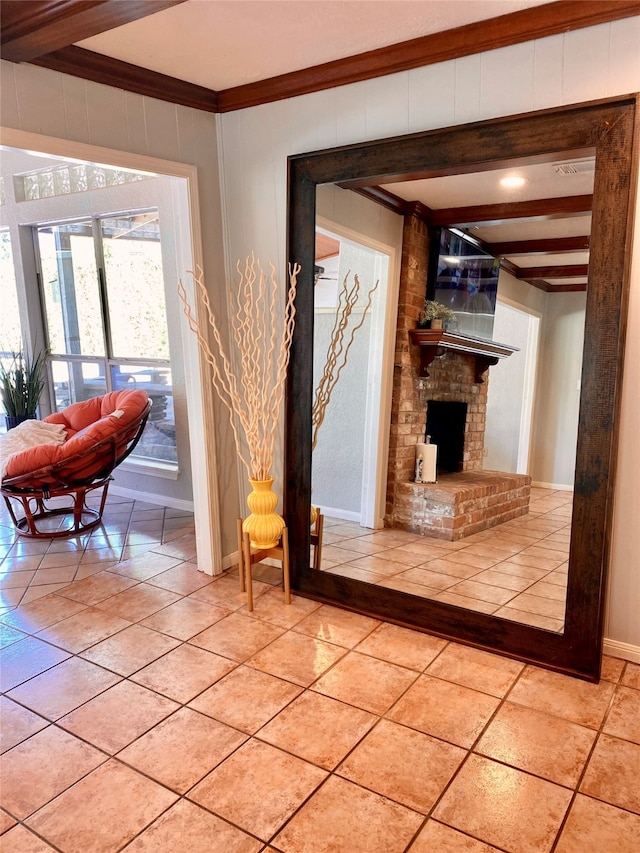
159	438
74	381
70	288
10	335
135	286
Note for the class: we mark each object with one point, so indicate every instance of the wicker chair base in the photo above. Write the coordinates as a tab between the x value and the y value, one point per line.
37	513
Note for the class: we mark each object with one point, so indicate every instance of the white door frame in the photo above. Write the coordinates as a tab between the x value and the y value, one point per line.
380	376
199	390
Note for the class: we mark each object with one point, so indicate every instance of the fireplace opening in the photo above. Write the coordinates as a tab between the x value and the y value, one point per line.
446	424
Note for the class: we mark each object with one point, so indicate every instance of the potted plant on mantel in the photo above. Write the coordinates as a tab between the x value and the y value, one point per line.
434	314
21	385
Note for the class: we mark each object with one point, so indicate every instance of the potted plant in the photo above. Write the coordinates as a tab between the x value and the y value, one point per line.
433	314
21	385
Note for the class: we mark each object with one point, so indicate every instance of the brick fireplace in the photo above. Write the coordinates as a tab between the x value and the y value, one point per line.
471	500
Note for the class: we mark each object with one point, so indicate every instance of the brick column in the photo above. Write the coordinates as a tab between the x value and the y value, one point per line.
408	415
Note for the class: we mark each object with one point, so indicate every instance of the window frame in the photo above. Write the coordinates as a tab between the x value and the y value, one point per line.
160	467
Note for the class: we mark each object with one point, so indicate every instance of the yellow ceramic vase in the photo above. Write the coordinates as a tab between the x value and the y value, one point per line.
264	525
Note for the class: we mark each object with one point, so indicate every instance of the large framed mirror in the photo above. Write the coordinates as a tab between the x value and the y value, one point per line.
435	573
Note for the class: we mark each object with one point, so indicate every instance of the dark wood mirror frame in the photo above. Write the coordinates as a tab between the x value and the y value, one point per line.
609	129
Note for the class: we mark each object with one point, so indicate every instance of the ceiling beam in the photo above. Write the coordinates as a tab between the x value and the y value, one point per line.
113	72
30	30
486	214
550	245
383	197
567	288
543	285
560	271
514	28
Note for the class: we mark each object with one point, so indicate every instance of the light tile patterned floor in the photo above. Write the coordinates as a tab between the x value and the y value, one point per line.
144	709
517	570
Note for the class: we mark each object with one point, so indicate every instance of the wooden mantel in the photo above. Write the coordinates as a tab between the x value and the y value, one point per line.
435	342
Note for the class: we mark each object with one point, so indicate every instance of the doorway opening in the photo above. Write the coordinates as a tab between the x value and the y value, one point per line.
97	179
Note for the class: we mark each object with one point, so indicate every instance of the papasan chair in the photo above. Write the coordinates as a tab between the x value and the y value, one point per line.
100	434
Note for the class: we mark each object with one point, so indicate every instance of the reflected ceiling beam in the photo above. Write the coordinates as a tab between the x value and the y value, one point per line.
381	196
494	214
563	271
545	286
30	30
552	245
550	208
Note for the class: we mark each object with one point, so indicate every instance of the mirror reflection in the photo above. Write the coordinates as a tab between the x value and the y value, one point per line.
443	465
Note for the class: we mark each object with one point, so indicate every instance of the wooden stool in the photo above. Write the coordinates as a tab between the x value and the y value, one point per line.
246	559
316	541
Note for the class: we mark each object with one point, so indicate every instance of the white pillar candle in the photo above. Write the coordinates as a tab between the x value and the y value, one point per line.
426	455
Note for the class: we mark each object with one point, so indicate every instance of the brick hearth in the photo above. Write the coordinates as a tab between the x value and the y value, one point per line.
459	505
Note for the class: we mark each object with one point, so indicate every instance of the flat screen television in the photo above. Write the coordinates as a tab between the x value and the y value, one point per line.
464	277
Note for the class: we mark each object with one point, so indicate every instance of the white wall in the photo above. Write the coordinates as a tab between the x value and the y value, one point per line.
341	436
52	104
505	398
557	400
591	63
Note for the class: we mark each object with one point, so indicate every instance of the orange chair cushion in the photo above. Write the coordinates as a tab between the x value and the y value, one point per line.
87	424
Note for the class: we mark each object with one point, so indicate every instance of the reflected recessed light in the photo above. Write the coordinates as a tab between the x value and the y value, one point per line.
513	182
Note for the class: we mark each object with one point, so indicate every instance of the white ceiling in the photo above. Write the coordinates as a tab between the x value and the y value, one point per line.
224	43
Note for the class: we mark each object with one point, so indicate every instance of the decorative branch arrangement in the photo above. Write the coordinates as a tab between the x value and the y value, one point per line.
255	396
340	343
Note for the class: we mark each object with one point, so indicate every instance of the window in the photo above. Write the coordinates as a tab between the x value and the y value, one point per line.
10	334
103	294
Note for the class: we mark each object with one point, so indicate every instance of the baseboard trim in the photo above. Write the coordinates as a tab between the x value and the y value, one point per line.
622	650
557	487
343	514
230	560
151	498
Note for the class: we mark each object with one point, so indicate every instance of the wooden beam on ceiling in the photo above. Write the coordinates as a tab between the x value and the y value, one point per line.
514	28
543	285
487	214
30	30
550	245
567	288
560	271
383	197
113	72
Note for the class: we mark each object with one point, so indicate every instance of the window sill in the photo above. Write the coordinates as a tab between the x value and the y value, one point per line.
151	468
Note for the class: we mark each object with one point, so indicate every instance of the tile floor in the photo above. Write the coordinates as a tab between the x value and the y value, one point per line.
517	570
144	709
